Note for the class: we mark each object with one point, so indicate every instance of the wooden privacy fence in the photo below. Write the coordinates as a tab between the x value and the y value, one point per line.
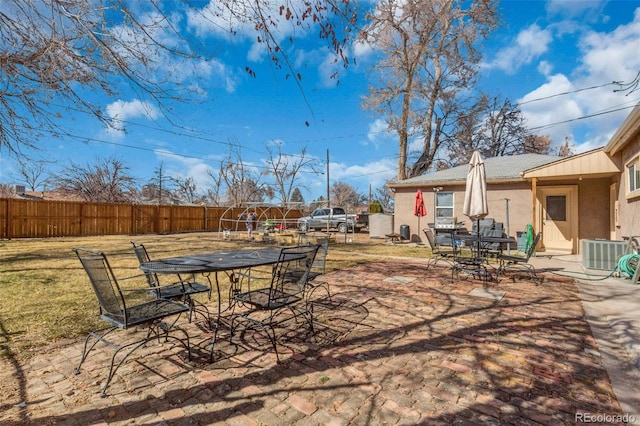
45	218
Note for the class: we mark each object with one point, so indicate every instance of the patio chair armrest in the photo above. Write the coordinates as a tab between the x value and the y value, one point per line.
130	277
147	289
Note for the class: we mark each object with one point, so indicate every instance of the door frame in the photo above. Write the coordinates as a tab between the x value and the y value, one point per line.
572	190
613	211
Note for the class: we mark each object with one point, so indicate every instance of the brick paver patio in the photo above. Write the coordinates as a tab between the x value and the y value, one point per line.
397	344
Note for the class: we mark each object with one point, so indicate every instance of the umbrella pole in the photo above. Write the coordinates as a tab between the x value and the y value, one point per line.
478	234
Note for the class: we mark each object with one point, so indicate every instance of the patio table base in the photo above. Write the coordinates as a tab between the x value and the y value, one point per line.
474	267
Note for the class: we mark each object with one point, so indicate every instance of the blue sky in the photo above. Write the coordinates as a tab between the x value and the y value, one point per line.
544	49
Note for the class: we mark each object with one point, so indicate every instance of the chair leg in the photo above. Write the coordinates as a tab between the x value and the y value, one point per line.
113	368
263	325
316	284
196	307
213	339
98	338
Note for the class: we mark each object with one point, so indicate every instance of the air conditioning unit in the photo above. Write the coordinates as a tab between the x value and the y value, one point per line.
602	254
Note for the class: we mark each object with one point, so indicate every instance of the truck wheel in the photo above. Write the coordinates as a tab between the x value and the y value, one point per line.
304	227
342	228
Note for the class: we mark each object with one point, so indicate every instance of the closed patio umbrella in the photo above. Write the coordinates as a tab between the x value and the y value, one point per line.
419	208
475	195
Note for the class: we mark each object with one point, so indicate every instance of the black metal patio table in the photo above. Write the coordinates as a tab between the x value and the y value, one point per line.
476	265
206	263
228	262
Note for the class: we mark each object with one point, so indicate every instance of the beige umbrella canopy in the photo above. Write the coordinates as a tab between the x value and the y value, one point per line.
475	194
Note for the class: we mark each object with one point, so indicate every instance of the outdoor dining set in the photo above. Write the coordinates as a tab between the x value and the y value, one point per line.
485	258
483	255
249	297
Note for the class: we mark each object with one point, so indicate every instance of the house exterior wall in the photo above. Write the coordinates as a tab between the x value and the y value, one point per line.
518	193
593	206
593	210
629	208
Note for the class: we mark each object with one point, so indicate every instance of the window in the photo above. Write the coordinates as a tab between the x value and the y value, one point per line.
556	208
633	175
444	204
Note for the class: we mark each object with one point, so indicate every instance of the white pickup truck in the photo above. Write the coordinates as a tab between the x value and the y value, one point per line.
335	217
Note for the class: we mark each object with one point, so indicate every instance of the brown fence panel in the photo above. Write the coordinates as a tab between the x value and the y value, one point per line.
31	219
106	219
4	219
187	218
44	218
144	219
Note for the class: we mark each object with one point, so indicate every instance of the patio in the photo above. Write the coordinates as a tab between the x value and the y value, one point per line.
396	345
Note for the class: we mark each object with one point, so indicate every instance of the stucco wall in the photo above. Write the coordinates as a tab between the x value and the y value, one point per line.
593	209
629	213
520	210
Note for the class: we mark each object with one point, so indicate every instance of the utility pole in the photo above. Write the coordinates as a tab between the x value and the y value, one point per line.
328	195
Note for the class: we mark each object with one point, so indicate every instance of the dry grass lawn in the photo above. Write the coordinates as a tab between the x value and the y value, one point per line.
45	296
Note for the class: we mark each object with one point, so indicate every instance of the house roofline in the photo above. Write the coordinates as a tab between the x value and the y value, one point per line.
435	183
627	130
561	160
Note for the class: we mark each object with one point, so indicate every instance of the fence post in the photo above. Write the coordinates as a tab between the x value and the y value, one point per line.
82	210
133	219
9	221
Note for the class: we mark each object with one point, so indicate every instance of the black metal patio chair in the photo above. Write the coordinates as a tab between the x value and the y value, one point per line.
265	306
521	264
437	252
127	309
184	289
317	270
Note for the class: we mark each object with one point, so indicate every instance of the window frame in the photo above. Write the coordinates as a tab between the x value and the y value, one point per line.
438	207
632	177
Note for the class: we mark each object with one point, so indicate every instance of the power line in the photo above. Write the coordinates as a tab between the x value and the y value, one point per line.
581	118
566	93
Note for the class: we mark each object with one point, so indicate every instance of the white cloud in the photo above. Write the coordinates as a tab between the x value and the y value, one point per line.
540	112
329	69
529	44
360	176
378	134
602	59
235	22
183	167
121	111
576	9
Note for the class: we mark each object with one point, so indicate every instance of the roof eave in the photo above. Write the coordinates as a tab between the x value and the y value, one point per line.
627	130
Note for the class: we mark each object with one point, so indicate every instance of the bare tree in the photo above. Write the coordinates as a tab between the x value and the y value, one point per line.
7	191
385	196
430	55
187	190
343	194
34	173
55	51
297	196
106	181
215	189
158	189
285	170
496	128
566	149
235	182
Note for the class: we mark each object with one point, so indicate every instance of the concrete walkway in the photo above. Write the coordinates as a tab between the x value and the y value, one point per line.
612	308
396	344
